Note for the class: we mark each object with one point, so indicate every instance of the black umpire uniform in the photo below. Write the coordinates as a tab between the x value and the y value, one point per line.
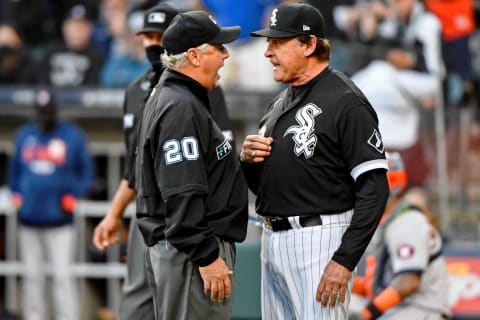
189	179
137	302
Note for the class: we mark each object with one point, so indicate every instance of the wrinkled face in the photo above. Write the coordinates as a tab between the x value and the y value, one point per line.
288	59
212	59
47	118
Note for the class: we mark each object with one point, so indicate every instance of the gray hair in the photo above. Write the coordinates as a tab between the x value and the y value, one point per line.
175	61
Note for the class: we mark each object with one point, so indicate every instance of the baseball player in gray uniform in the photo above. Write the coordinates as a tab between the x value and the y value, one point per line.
318	169
406	275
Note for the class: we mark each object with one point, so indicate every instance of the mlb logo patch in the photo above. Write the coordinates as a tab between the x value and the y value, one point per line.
223	150
156	17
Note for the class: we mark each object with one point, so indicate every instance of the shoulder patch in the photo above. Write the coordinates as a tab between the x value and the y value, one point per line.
223	150
376	142
405	251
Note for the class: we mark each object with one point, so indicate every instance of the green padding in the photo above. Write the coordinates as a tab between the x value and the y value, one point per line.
246	303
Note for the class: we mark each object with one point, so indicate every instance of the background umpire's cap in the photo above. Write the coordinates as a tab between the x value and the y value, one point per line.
293	19
158	18
193	28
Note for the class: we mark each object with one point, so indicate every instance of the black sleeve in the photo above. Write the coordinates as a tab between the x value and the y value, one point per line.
188	231
252	175
370	199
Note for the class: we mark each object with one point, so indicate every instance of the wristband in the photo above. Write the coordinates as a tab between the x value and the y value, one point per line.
68	203
387	299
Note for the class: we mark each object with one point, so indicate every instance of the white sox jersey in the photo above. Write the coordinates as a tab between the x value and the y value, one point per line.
325	137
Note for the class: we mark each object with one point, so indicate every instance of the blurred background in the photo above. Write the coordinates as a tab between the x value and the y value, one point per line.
87	53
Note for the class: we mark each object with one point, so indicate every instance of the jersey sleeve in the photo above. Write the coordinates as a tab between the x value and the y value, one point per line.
407	241
361	140
179	155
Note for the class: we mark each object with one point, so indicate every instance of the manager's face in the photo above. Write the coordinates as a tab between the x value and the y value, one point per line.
288	58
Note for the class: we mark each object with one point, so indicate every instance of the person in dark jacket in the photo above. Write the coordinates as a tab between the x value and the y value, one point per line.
188	179
50	168
137	300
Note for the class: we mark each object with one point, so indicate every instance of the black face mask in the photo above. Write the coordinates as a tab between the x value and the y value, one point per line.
47	119
153	54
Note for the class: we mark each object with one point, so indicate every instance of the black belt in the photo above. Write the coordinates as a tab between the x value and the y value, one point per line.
282	224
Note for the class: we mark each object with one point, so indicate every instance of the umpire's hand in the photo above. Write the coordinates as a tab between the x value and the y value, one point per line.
216	280
333	284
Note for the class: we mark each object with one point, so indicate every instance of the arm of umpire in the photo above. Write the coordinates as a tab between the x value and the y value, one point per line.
106	232
370	198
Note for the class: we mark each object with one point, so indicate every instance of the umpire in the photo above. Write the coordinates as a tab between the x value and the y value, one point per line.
189	179
137	301
318	169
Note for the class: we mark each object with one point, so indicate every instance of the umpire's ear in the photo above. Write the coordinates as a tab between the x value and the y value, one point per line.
193	57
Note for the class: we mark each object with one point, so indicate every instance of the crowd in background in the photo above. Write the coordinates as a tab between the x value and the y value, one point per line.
93	43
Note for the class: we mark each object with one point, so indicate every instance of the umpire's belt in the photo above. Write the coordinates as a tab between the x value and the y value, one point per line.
283	224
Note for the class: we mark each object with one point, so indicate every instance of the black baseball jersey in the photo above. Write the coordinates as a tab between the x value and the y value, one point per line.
188	169
136	96
325	141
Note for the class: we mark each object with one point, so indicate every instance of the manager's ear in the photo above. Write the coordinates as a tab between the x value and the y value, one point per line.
310	46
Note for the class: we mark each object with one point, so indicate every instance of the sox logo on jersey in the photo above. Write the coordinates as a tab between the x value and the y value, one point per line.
303	136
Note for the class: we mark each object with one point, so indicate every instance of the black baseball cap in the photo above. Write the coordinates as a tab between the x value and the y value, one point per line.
192	28
158	18
293	19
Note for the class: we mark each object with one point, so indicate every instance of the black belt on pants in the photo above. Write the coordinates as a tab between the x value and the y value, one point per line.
282	224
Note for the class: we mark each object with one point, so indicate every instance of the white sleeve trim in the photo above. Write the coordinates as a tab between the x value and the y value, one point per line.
367	166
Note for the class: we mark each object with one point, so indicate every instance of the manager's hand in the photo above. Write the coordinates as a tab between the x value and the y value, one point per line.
216	280
256	148
333	284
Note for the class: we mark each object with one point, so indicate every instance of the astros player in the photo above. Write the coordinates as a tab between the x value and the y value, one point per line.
406	275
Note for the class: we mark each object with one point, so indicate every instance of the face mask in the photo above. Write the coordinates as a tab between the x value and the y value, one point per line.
153	54
47	120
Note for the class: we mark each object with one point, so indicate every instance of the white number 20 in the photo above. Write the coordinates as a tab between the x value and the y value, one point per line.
177	151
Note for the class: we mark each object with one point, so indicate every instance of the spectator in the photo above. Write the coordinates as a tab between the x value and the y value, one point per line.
246	62
75	62
14	61
406	80
111	24
458	25
127	59
50	168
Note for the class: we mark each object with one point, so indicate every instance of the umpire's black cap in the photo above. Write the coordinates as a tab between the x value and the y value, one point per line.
192	28
158	18
293	19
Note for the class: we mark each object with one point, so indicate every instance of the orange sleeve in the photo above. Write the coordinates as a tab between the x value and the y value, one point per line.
359	286
387	299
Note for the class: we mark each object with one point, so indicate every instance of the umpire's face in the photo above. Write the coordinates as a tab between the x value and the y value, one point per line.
209	62
291	59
